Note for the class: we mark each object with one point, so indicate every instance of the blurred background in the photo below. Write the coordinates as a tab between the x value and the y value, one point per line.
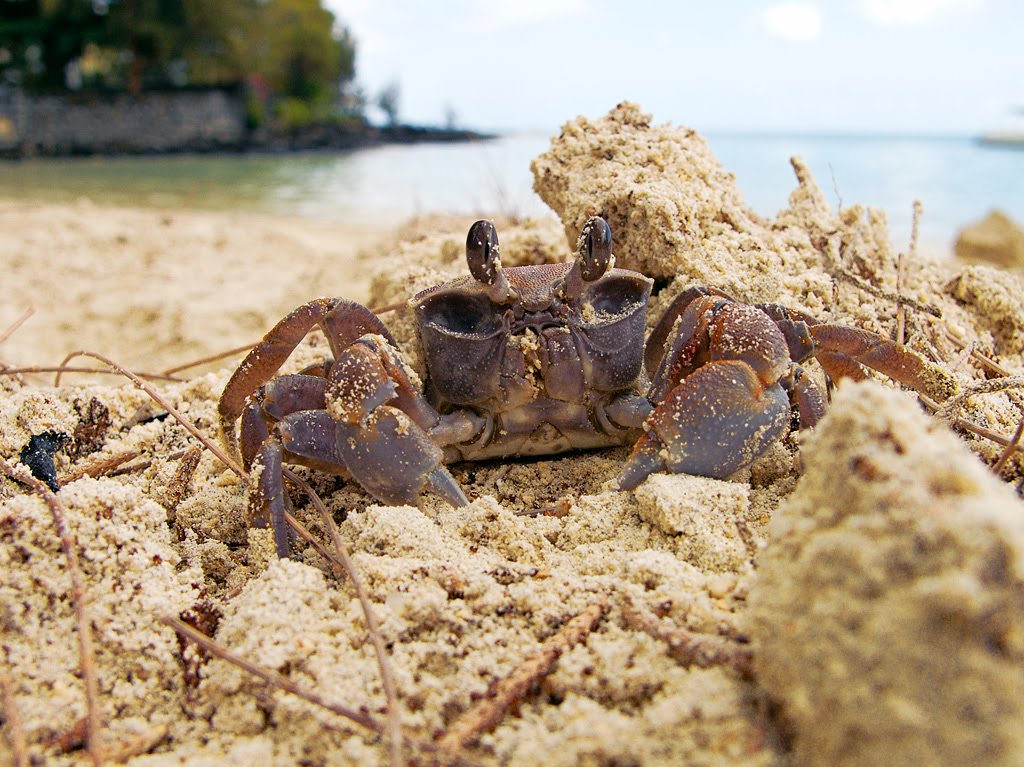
360	110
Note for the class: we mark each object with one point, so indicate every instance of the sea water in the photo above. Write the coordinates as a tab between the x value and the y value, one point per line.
956	179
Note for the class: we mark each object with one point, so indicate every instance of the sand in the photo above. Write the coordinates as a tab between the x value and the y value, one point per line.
873	571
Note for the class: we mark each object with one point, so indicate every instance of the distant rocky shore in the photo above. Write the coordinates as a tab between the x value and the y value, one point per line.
186	120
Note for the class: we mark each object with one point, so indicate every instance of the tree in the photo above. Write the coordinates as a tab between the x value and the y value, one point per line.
387	101
40	38
295	46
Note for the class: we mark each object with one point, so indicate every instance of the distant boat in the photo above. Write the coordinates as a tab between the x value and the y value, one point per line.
1008	137
1005	138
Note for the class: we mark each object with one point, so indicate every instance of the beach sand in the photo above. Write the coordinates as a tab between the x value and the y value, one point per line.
855	597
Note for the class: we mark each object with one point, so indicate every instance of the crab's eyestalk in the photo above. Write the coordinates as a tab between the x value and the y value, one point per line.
484	258
594	249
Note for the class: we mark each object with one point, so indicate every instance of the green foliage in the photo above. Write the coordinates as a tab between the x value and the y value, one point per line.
294	113
291	50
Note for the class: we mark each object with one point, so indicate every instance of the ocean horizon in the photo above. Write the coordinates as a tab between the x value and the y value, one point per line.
956	178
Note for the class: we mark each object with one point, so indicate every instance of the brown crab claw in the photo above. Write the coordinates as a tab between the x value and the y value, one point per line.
715	422
394	460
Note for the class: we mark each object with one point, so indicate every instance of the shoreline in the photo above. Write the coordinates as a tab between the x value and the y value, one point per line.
325	137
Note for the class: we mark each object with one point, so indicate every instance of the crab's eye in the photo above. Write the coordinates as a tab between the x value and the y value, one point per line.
482	252
461	315
594	249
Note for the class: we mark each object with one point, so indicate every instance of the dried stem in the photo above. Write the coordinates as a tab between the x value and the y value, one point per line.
373	627
997	467
12	718
688	648
840	272
901	310
274	679
160	400
389	307
99	468
962	423
951	407
61	369
211	358
508	692
86	651
13	327
270	677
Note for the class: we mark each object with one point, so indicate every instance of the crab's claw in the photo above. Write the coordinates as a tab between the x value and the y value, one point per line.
378	436
712	424
718	397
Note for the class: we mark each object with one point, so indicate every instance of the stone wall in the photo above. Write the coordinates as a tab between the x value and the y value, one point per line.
87	123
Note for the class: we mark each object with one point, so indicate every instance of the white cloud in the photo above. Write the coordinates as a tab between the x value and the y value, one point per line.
793	22
892	13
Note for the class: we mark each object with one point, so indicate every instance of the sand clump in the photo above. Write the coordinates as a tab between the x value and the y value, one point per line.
888	608
465	596
996	239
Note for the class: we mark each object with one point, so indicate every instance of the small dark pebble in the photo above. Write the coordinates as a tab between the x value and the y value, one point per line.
38	454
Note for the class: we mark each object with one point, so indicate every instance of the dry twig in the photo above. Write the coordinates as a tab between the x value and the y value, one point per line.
372	626
162	401
835	267
204	360
270	677
997	467
99	468
274	679
962	423
86	651
952	406
508	692
12	718
13	327
688	648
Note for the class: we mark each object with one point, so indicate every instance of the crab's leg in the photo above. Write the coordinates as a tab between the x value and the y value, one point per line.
655	351
268	503
718	417
343	322
381	425
840	349
273	401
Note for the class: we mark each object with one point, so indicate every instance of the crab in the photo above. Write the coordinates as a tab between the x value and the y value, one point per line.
536	360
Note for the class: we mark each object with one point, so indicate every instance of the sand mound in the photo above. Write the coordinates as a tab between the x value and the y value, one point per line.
465	598
890	600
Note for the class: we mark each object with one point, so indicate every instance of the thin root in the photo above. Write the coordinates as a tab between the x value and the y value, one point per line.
100	468
86	648
13	327
12	718
373	627
274	679
510	691
688	648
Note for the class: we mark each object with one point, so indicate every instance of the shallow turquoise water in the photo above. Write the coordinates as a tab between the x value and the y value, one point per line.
956	179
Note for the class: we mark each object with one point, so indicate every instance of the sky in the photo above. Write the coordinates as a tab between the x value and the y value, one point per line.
944	67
